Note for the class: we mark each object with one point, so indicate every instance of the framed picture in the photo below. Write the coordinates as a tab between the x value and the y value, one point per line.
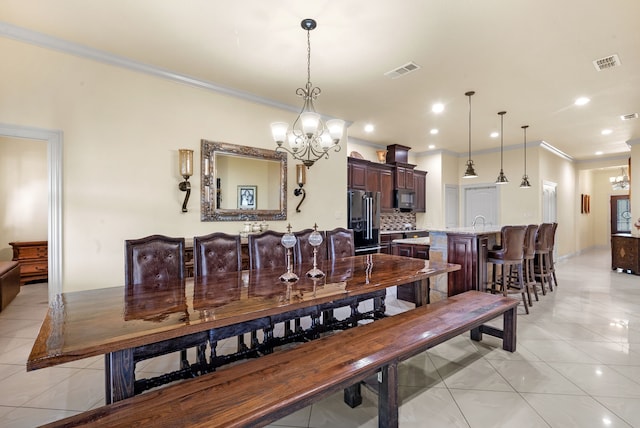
247	197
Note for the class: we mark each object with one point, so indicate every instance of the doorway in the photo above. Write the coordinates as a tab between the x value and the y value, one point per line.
53	139
620	214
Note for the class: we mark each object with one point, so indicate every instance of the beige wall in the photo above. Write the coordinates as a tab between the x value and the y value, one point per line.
23	192
121	131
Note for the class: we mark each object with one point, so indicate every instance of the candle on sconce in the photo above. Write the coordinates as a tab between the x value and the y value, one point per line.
301	174
186	162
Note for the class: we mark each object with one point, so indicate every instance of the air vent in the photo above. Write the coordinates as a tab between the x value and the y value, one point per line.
401	71
607	62
629	116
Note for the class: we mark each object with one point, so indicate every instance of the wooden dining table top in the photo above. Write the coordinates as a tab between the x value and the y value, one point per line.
88	323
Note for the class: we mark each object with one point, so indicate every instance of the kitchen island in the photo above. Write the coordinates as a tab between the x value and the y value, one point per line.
468	247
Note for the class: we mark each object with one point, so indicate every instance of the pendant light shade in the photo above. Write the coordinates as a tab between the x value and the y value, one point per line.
525	178
470	171
502	179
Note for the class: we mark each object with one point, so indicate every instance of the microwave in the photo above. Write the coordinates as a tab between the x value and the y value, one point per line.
404	199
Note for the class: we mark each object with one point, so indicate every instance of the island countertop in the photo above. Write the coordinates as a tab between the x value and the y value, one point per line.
478	230
413	241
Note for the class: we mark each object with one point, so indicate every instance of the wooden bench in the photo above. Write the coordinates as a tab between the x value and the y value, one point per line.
263	390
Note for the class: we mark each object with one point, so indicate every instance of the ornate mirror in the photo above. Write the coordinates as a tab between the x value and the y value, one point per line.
242	183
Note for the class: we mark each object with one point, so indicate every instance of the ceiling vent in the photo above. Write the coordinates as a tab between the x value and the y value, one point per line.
629	116
401	71
607	62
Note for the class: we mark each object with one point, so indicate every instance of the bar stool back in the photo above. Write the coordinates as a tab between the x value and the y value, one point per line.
529	256
510	255
542	269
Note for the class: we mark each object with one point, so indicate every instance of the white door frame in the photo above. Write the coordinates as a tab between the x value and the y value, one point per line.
53	138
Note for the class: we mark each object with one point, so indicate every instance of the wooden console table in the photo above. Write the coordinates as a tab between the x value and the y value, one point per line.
625	252
33	258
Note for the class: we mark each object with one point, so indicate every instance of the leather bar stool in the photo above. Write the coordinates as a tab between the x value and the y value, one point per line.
542	260
552	244
529	256
510	255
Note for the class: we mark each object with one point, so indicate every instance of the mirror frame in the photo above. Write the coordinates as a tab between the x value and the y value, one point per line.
208	209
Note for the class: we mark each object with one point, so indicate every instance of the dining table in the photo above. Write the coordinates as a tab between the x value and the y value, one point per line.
114	321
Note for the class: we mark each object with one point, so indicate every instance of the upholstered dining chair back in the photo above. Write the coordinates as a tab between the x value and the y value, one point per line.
303	251
154	258
266	250
340	243
216	253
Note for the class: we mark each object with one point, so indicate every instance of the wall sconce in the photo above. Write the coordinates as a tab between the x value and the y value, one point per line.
301	179
186	171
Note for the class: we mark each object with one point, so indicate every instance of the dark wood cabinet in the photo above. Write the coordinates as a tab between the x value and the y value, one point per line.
386	242
386	188
407	292
357	174
469	251
404	176
625	252
420	187
33	258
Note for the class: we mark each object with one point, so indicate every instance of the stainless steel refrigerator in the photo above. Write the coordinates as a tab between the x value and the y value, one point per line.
364	219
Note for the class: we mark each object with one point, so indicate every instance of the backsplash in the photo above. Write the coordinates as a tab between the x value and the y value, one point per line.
397	220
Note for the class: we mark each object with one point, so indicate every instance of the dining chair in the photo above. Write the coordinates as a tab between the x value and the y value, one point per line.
340	244
509	255
215	254
303	251
266	250
157	259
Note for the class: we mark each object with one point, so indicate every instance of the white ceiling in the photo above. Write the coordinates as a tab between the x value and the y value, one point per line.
530	58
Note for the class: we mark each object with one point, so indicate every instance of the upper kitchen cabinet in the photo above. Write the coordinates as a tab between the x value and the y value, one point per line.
420	187
357	173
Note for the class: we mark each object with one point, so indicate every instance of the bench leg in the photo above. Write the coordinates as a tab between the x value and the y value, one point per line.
388	397
353	395
509	330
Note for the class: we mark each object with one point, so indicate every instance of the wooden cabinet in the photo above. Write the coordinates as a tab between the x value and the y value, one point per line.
470	251
404	176
372	177
33	258
420	187
386	242
625	252
357	174
407	292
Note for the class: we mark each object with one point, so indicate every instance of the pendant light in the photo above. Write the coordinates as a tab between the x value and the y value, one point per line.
525	178
470	172
502	179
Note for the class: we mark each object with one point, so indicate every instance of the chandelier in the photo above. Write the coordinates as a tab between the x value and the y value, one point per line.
309	138
621	182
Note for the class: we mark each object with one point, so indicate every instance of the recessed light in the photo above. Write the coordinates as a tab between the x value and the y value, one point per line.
432	146
606	131
582	101
598	153
434	131
494	134
369	127
437	108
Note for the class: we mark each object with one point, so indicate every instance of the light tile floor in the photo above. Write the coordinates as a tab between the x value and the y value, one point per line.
577	365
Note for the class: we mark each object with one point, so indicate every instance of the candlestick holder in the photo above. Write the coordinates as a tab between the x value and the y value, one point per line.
288	241
315	239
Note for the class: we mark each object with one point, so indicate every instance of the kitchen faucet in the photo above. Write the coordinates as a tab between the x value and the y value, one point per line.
476	218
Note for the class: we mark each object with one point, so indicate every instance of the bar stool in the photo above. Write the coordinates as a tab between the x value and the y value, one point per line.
542	260
510	255
529	256
552	244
